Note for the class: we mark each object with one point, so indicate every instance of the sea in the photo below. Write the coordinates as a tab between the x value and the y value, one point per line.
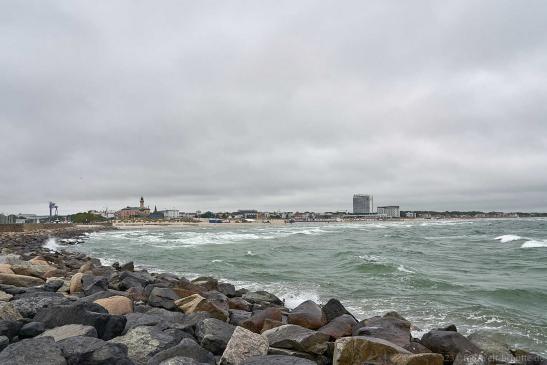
487	275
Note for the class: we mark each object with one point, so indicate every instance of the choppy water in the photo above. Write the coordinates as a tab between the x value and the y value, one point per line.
480	274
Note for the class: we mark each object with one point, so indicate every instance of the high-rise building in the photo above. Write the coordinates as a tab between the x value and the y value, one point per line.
362	204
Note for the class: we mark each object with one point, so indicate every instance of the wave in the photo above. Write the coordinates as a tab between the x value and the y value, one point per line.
52	244
404	269
509	238
534	244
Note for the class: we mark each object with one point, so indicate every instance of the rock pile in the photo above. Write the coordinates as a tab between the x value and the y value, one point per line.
67	308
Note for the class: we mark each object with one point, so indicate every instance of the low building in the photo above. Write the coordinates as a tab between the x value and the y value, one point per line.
134	212
170	214
390	211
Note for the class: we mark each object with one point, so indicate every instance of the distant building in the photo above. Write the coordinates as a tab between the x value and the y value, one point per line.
170	213
134	212
362	204
156	214
246	213
391	211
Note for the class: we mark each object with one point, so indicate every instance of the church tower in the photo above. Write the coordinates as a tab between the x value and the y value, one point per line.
142	202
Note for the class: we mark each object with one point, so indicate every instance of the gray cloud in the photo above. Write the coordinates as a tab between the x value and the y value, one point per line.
273	104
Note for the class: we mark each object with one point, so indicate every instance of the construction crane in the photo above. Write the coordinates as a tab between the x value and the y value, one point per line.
53	206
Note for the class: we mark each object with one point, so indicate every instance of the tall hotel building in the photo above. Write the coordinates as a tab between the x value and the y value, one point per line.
362	204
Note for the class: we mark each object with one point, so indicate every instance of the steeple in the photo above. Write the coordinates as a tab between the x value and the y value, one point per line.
142	202
155	209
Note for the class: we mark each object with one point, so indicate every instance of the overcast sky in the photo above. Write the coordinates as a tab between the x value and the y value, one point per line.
283	105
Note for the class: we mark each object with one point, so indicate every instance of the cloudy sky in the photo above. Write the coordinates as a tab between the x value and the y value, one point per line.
273	104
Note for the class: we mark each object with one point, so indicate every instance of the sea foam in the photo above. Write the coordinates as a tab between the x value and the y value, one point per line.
508	238
534	244
51	244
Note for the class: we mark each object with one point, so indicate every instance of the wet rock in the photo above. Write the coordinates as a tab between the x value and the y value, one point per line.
227	289
139	279
187	349
362	350
213	334
116	304
163	297
333	308
93	351
390	327
207	282
128	266
107	326
34	351
20	280
239	303
94	284
70	330
450	327
144	342
448	343
340	326
197	303
31	329
298	338
277	360
261	297
256	322
308	315
9	312
243	344
492	345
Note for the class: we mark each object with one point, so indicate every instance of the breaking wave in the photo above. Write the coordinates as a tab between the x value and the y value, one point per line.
534	244
509	238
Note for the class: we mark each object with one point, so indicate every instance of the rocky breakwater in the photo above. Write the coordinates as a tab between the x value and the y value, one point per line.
66	308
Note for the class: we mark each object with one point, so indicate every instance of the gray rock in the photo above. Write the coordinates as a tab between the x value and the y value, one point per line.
339	327
93	351
181	360
260	297
139	280
333	308
186	348
237	316
472	359
145	341
33	351
277	360
29	303
70	330
9	312
4	342
107	326
492	344
10	329
448	343
213	334
227	289
307	314
243	345
94	284
162	297
390	327
297	338
31	329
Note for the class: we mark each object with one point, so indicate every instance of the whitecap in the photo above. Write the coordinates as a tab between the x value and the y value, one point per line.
51	244
534	244
404	269
250	253
508	238
216	260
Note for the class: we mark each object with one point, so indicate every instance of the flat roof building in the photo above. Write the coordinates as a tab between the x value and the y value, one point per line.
362	204
391	211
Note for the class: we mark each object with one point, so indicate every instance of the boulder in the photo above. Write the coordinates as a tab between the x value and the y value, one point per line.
116	304
213	334
448	343
333	308
76	283
308	315
138	279
227	289
10	329
207	282
417	359
28	304
86	267
364	350
238	316
20	280
181	360
5	297
9	312
93	284
93	351
31	329
256	322
243	345
492	344
187	349
90	314
239	303
297	338
340	326
30	269
197	303
70	330
464	358
278	360
4	342
128	266
144	342
163	297
269	324
261	297
53	284
6	269
33	351
390	327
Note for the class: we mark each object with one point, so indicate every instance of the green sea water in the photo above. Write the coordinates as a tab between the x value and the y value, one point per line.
488	275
